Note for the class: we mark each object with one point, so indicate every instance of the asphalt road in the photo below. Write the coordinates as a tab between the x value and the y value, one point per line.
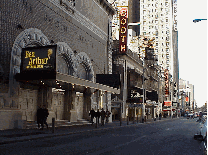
160	138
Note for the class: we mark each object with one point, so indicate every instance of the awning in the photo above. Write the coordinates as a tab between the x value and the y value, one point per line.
56	76
150	106
82	82
168	109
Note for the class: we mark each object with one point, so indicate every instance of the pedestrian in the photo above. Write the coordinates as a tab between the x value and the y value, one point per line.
92	114
44	116
39	113
102	114
98	116
107	115
160	115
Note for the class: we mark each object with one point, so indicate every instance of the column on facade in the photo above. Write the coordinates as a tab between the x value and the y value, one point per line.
49	98
68	98
42	96
87	103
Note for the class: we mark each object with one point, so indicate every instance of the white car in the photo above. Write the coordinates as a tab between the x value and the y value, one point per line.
203	126
202	136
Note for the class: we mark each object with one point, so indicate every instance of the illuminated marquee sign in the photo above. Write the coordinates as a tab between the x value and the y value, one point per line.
39	58
38	63
123	30
166	83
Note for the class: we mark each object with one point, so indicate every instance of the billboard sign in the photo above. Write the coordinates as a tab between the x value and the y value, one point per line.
39	58
167	103
123	30
175	20
112	80
38	62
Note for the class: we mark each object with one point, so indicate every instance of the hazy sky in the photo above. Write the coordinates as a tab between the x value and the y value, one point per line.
192	46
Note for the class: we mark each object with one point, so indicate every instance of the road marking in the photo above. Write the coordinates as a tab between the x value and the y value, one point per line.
113	148
130	141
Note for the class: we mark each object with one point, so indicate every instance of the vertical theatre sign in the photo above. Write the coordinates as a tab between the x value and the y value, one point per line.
38	62
166	83
123	30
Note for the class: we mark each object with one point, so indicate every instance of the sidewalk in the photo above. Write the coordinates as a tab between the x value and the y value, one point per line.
19	135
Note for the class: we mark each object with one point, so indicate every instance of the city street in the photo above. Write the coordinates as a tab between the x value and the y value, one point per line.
155	138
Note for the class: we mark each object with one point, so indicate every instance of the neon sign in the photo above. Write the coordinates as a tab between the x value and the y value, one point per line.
166	83
123	30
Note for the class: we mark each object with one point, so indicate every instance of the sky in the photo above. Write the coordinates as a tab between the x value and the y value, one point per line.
192	46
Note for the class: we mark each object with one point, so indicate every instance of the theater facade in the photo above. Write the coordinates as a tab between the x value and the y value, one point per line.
50	53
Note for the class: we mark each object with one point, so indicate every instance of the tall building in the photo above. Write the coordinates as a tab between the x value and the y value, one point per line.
186	96
156	23
175	62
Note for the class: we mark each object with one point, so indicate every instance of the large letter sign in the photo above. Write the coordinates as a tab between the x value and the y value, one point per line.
166	83
123	31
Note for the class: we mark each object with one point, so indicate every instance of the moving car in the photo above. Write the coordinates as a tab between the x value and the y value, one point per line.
195	114
190	116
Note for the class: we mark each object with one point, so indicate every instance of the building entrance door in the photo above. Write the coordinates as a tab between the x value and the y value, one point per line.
79	105
58	105
28	104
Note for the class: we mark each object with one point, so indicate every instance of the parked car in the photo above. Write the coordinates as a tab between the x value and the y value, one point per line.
203	133
203	126
204	146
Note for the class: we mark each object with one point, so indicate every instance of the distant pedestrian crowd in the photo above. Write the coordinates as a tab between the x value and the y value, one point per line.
42	114
103	114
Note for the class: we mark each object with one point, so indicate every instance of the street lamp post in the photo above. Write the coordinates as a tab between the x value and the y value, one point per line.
198	20
143	92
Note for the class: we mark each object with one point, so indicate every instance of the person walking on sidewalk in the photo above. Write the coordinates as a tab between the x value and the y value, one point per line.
107	115
97	116
39	113
102	114
92	114
44	116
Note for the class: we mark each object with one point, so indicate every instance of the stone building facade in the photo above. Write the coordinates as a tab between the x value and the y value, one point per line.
81	31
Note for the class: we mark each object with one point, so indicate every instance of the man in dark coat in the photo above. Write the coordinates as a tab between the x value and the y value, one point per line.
39	116
92	114
107	115
102	114
98	115
44	116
